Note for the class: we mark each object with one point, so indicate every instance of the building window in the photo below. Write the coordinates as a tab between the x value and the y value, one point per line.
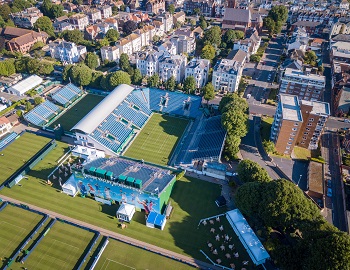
311	120
292	134
296	124
309	124
307	129
294	129
306	133
291	138
303	142
304	138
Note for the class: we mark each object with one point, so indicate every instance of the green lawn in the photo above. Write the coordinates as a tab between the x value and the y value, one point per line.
77	112
301	153
130	257
157	140
265	130
192	200
61	248
19	152
15	225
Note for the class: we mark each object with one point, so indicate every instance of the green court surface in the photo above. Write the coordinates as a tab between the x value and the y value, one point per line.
129	257
19	152
157	140
61	248
15	225
77	112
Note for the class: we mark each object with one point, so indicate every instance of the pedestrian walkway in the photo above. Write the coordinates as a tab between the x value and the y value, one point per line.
167	253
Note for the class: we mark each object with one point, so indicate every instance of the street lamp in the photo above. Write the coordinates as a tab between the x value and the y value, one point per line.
299	179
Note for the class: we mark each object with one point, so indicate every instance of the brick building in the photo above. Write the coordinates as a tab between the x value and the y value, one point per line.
298	123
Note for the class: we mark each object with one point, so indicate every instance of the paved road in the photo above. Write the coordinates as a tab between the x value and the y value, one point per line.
330	143
104	232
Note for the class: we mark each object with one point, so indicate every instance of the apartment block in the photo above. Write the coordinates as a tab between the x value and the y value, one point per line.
227	75
303	84
79	21
199	69
298	122
67	52
110	53
26	18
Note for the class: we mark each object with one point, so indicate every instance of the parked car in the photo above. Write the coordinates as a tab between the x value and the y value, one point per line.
329	192
329	183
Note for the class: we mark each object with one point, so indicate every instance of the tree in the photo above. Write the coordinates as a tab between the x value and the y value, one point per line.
96	79
170	83
190	85
310	58
231	146
279	13
239	34
37	45
269	146
119	77
124	63
250	171
56	11
112	35
235	122
208	52
73	36
209	92
270	24
81	74
129	27
92	60
248	198
7	67
203	24
136	77
29	106
156	38
197	11
231	35
171	9
66	73
255	58
103	42
153	81
46	7
44	24
213	36
2	22
5	11
38	100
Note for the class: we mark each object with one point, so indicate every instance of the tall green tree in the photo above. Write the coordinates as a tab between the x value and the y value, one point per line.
73	36
56	11
208	92
136	77
208	52
5	11
190	85
248	198
250	171
44	24
171	9
92	60
119	77
112	35
153	81
81	74
170	83
279	13
310	58
213	36
124	63
7	67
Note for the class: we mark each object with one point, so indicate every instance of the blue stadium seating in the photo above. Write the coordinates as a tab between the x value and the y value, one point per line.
130	114
139	103
67	94
9	138
42	113
176	103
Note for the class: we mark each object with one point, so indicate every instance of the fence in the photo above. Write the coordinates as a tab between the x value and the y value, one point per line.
98	256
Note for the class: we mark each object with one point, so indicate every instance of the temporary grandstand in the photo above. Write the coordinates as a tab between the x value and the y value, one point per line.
67	94
125	181
42	113
205	142
114	121
7	139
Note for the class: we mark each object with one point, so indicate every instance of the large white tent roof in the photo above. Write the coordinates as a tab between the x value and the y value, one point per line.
26	84
126	209
95	117
247	236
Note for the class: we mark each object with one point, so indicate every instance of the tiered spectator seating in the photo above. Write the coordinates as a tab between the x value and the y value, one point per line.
42	113
139	103
9	138
131	114
176	103
66	94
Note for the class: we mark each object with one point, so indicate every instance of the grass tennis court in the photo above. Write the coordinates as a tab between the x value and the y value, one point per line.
61	248
19	152
129	257
78	111
157	140
15	225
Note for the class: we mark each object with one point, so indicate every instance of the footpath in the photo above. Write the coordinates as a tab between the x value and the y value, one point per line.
158	250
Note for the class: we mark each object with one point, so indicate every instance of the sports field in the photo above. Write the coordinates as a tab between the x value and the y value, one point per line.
15	225
61	248
157	140
19	152
118	255
77	112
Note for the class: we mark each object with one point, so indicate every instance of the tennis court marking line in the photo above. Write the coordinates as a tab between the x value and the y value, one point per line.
16	237
64	261
109	261
161	146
